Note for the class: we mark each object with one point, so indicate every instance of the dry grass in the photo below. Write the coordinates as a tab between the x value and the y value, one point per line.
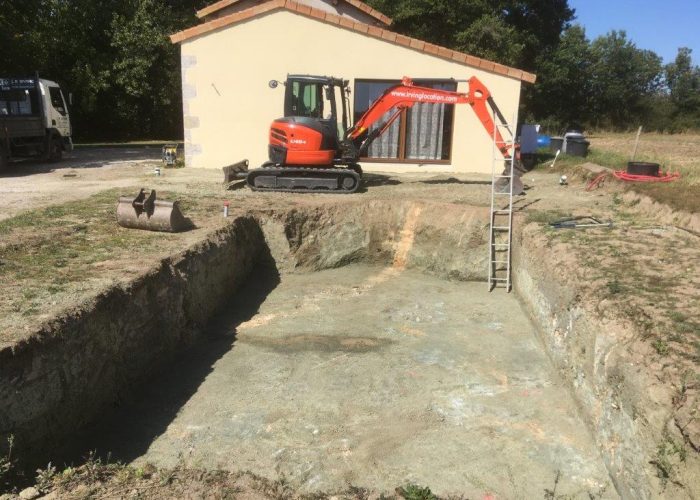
101	479
55	257
676	153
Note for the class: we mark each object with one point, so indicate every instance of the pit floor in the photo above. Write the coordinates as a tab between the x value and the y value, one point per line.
371	377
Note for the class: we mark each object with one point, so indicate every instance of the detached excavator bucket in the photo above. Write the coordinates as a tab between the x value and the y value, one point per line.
146	212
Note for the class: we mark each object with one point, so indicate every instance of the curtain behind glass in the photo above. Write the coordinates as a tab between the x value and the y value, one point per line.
424	133
387	144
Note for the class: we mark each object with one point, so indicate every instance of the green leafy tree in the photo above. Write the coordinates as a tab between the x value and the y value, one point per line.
145	70
20	42
113	55
624	77
512	32
683	80
563	94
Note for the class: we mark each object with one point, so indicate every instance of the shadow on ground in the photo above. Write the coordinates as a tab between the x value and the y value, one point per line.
126	432
375	180
454	180
81	158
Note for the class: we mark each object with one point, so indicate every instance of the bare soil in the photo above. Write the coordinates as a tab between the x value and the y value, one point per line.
59	245
370	376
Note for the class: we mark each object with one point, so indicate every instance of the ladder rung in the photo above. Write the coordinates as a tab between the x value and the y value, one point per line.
501	232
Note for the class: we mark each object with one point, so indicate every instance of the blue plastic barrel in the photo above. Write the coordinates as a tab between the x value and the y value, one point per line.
543	141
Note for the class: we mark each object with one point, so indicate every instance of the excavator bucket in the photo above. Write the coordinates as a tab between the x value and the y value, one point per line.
503	183
146	212
236	172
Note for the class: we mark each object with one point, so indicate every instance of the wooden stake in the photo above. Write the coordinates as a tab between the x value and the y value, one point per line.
636	143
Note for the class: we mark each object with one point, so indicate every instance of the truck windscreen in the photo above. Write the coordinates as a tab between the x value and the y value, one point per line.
18	99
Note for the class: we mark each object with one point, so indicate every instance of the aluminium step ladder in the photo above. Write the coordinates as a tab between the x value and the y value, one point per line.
501	217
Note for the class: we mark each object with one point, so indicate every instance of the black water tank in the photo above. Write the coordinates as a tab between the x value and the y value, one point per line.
577	147
643	168
555	144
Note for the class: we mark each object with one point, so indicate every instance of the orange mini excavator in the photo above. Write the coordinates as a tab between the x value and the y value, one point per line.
313	148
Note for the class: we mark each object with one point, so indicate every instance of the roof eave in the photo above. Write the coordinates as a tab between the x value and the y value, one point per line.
361	28
361	6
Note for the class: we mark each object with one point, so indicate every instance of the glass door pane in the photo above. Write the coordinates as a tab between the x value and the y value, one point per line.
387	145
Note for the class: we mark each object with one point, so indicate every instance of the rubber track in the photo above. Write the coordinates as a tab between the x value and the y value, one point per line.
281	170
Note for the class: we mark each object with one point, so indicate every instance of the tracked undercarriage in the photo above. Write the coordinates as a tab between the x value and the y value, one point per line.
304	179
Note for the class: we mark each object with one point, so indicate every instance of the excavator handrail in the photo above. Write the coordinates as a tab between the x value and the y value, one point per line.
406	94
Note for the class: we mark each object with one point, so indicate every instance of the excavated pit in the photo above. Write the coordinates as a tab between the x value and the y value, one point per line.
347	345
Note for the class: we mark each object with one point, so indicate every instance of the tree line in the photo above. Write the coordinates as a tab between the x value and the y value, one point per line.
113	55
607	82
116	58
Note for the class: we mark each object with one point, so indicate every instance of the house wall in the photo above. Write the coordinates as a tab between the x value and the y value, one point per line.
228	106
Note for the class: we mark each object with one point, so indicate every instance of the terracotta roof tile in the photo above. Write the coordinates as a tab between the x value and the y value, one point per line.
403	40
444	52
389	36
303	9
318	13
222	4
431	49
471	60
459	57
361	27
515	73
417	44
345	22
374	31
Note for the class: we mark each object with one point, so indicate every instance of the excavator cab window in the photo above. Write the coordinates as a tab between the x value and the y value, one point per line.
321	98
306	99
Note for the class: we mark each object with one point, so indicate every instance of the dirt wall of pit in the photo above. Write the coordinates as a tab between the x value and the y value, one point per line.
80	364
597	351
445	240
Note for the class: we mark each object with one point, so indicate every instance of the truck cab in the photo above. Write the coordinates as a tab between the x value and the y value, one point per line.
34	119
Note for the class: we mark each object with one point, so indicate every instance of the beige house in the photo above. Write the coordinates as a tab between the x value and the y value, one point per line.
228	60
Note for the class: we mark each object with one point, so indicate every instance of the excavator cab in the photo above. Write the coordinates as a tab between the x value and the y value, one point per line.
306	147
316	111
318	97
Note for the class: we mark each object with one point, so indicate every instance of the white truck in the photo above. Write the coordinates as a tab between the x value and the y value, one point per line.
34	120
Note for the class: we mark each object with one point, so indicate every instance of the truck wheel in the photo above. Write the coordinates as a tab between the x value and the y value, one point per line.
55	150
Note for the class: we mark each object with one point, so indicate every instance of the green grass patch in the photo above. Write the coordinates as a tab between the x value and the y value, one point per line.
680	194
64	250
415	492
545	216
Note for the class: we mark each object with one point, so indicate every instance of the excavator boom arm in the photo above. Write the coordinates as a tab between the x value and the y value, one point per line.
406	94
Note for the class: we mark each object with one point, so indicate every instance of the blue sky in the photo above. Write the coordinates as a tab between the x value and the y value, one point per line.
658	25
